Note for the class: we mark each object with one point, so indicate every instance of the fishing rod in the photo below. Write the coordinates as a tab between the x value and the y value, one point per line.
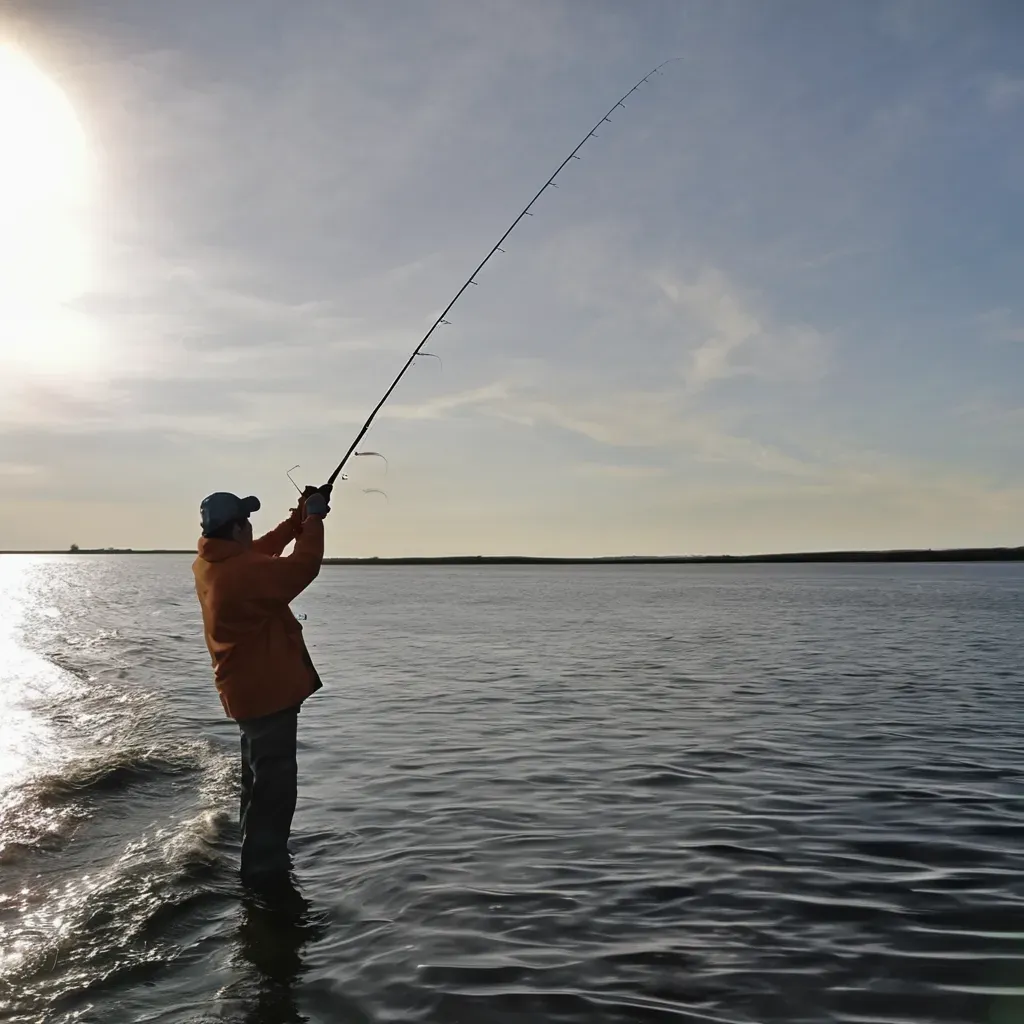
471	280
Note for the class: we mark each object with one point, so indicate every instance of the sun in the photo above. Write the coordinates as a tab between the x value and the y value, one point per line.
45	189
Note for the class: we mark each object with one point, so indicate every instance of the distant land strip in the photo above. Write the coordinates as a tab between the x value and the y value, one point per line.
952	555
900	555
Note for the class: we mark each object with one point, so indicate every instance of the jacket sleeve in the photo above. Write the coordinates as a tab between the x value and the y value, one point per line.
283	579
274	542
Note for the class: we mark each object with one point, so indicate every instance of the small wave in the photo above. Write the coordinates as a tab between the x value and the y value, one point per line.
135	914
99	929
191	849
115	770
44	811
70	665
25	829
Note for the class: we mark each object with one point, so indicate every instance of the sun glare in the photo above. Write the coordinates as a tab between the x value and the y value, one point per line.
44	191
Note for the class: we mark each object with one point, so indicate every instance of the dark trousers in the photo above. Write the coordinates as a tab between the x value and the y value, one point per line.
269	788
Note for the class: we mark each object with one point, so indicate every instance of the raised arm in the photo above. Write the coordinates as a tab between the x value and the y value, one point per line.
274	542
283	534
284	578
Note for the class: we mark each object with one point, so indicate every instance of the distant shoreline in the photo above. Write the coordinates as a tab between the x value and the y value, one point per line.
804	557
952	555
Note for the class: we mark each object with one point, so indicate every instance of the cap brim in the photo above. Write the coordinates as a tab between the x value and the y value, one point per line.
250	505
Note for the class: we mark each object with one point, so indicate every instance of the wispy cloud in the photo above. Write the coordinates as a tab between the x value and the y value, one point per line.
737	340
444	405
13	471
659	421
993	415
1002	325
922	22
617	471
656	421
1004	92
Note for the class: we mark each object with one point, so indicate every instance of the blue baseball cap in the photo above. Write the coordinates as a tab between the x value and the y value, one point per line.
222	507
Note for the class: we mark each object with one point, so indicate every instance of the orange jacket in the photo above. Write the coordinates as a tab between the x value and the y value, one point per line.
260	661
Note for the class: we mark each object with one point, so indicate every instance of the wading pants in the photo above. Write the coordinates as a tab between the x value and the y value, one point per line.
269	783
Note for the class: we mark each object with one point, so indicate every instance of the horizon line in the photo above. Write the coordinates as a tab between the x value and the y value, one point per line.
973	554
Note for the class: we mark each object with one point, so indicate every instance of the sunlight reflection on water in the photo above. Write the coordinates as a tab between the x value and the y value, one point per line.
24	735
30	688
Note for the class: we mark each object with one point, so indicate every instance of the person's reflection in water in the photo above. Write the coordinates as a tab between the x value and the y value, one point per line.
276	925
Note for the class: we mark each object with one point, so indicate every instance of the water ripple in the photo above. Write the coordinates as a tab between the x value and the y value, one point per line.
600	796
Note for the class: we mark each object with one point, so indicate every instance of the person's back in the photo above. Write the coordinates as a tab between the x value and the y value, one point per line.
262	669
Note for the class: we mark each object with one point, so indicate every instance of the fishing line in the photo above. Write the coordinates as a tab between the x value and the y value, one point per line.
471	280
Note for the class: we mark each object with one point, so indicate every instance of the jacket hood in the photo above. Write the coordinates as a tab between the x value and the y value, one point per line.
214	549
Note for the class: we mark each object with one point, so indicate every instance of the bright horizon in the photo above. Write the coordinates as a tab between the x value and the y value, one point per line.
775	307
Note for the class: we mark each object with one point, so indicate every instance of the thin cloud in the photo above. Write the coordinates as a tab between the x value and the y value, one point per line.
739	341
443	405
1003	93
13	471
613	471
995	416
1002	325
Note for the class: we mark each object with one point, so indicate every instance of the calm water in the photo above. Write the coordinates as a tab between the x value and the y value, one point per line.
562	794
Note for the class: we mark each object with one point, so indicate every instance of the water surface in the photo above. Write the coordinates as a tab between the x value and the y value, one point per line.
580	794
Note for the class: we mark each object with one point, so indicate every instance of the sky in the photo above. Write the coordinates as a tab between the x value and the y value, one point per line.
777	304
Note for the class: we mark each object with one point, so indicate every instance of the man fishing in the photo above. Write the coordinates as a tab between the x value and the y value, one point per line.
261	665
262	669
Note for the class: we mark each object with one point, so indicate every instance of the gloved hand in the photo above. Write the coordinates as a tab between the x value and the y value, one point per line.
318	503
299	512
